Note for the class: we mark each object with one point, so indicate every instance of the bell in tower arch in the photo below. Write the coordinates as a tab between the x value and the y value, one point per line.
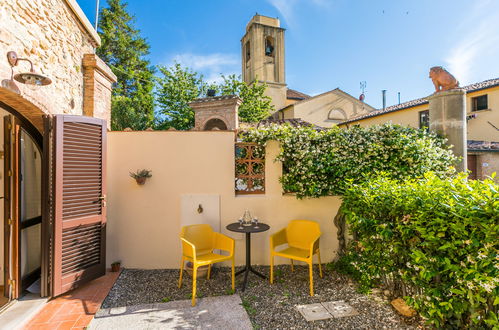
269	46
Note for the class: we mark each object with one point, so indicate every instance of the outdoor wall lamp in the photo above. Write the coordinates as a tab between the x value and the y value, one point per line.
29	78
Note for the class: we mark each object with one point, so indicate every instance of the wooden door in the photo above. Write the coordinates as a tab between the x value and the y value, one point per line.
472	167
76	164
10	223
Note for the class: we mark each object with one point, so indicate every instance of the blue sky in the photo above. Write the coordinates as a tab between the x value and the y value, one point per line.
331	43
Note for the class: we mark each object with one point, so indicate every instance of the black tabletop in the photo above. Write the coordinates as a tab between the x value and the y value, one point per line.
247	229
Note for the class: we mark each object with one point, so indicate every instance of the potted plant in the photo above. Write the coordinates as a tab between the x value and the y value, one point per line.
141	175
115	266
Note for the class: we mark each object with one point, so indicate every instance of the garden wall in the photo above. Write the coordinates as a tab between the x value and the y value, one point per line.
188	169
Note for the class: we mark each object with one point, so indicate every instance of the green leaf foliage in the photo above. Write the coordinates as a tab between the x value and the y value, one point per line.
437	235
255	106
322	163
124	50
176	87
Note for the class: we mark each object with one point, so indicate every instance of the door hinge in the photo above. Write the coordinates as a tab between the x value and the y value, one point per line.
9	173
11	282
10	222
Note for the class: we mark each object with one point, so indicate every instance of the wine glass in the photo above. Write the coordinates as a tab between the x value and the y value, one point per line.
240	223
255	221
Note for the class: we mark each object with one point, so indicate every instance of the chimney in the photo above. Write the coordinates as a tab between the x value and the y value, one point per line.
383	93
216	113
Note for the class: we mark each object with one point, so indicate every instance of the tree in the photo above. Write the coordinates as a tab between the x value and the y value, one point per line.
124	50
256	105
176	87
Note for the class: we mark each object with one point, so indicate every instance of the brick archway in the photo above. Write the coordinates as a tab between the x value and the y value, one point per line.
215	123
23	107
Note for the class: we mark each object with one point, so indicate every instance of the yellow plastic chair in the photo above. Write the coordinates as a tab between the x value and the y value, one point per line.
302	238
198	244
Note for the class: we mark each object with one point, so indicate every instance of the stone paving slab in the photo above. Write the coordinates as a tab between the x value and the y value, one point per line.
222	312
326	310
313	312
340	308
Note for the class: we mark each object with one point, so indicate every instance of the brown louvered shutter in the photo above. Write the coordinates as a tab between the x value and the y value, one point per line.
78	204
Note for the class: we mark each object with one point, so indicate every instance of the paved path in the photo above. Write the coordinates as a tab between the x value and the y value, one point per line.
222	312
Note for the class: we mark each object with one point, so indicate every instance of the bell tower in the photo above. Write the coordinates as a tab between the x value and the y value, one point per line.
262	50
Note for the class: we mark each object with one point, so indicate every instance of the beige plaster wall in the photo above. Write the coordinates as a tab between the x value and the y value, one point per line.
406	117
144	221
477	128
316	110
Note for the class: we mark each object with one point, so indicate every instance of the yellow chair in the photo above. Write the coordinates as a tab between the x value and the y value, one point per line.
198	244
302	238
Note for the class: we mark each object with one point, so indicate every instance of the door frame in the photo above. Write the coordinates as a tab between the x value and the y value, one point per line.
11	206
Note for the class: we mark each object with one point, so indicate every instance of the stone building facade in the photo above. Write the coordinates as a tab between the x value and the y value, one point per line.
60	41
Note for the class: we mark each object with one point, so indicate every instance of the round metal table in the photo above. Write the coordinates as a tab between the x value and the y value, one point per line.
248	230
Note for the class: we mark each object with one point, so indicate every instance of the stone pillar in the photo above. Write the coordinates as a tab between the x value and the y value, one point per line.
98	81
448	118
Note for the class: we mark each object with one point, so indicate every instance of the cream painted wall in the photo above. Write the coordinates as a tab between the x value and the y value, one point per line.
406	117
316	109
144	221
478	128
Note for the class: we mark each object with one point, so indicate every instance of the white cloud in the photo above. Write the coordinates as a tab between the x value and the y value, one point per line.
286	8
211	66
479	40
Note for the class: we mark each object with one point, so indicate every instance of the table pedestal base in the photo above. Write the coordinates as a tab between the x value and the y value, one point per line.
246	271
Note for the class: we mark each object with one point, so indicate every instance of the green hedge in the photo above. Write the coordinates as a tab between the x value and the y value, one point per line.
323	163
438	235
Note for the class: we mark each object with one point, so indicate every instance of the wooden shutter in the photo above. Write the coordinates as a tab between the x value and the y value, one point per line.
77	203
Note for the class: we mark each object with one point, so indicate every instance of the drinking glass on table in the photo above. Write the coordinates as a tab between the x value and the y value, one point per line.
240	223
255	221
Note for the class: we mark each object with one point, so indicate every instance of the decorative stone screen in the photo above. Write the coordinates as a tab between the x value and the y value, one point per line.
250	169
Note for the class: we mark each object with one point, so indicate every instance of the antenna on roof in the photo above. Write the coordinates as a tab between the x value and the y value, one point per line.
362	96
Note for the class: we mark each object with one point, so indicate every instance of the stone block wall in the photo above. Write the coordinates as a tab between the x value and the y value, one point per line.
55	36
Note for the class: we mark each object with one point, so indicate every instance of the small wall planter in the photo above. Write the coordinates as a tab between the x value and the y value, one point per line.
141	176
116	266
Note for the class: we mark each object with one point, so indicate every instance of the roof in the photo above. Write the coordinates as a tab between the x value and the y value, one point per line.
336	90
424	100
295	95
215	98
474	145
295	122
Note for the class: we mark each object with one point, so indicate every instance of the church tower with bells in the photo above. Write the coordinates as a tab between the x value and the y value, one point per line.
262	49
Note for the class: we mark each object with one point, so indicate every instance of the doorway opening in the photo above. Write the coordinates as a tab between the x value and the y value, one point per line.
21	209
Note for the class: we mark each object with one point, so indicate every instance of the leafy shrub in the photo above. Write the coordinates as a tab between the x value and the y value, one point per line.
438	235
322	163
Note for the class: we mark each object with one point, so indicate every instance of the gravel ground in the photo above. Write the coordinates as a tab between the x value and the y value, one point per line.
269	306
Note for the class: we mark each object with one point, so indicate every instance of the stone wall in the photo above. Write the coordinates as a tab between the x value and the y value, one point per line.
55	36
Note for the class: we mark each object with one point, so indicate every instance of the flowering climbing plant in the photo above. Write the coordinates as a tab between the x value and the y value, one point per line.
324	162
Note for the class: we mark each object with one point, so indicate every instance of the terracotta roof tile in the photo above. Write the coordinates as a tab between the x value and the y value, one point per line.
475	145
295	95
409	104
295	122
